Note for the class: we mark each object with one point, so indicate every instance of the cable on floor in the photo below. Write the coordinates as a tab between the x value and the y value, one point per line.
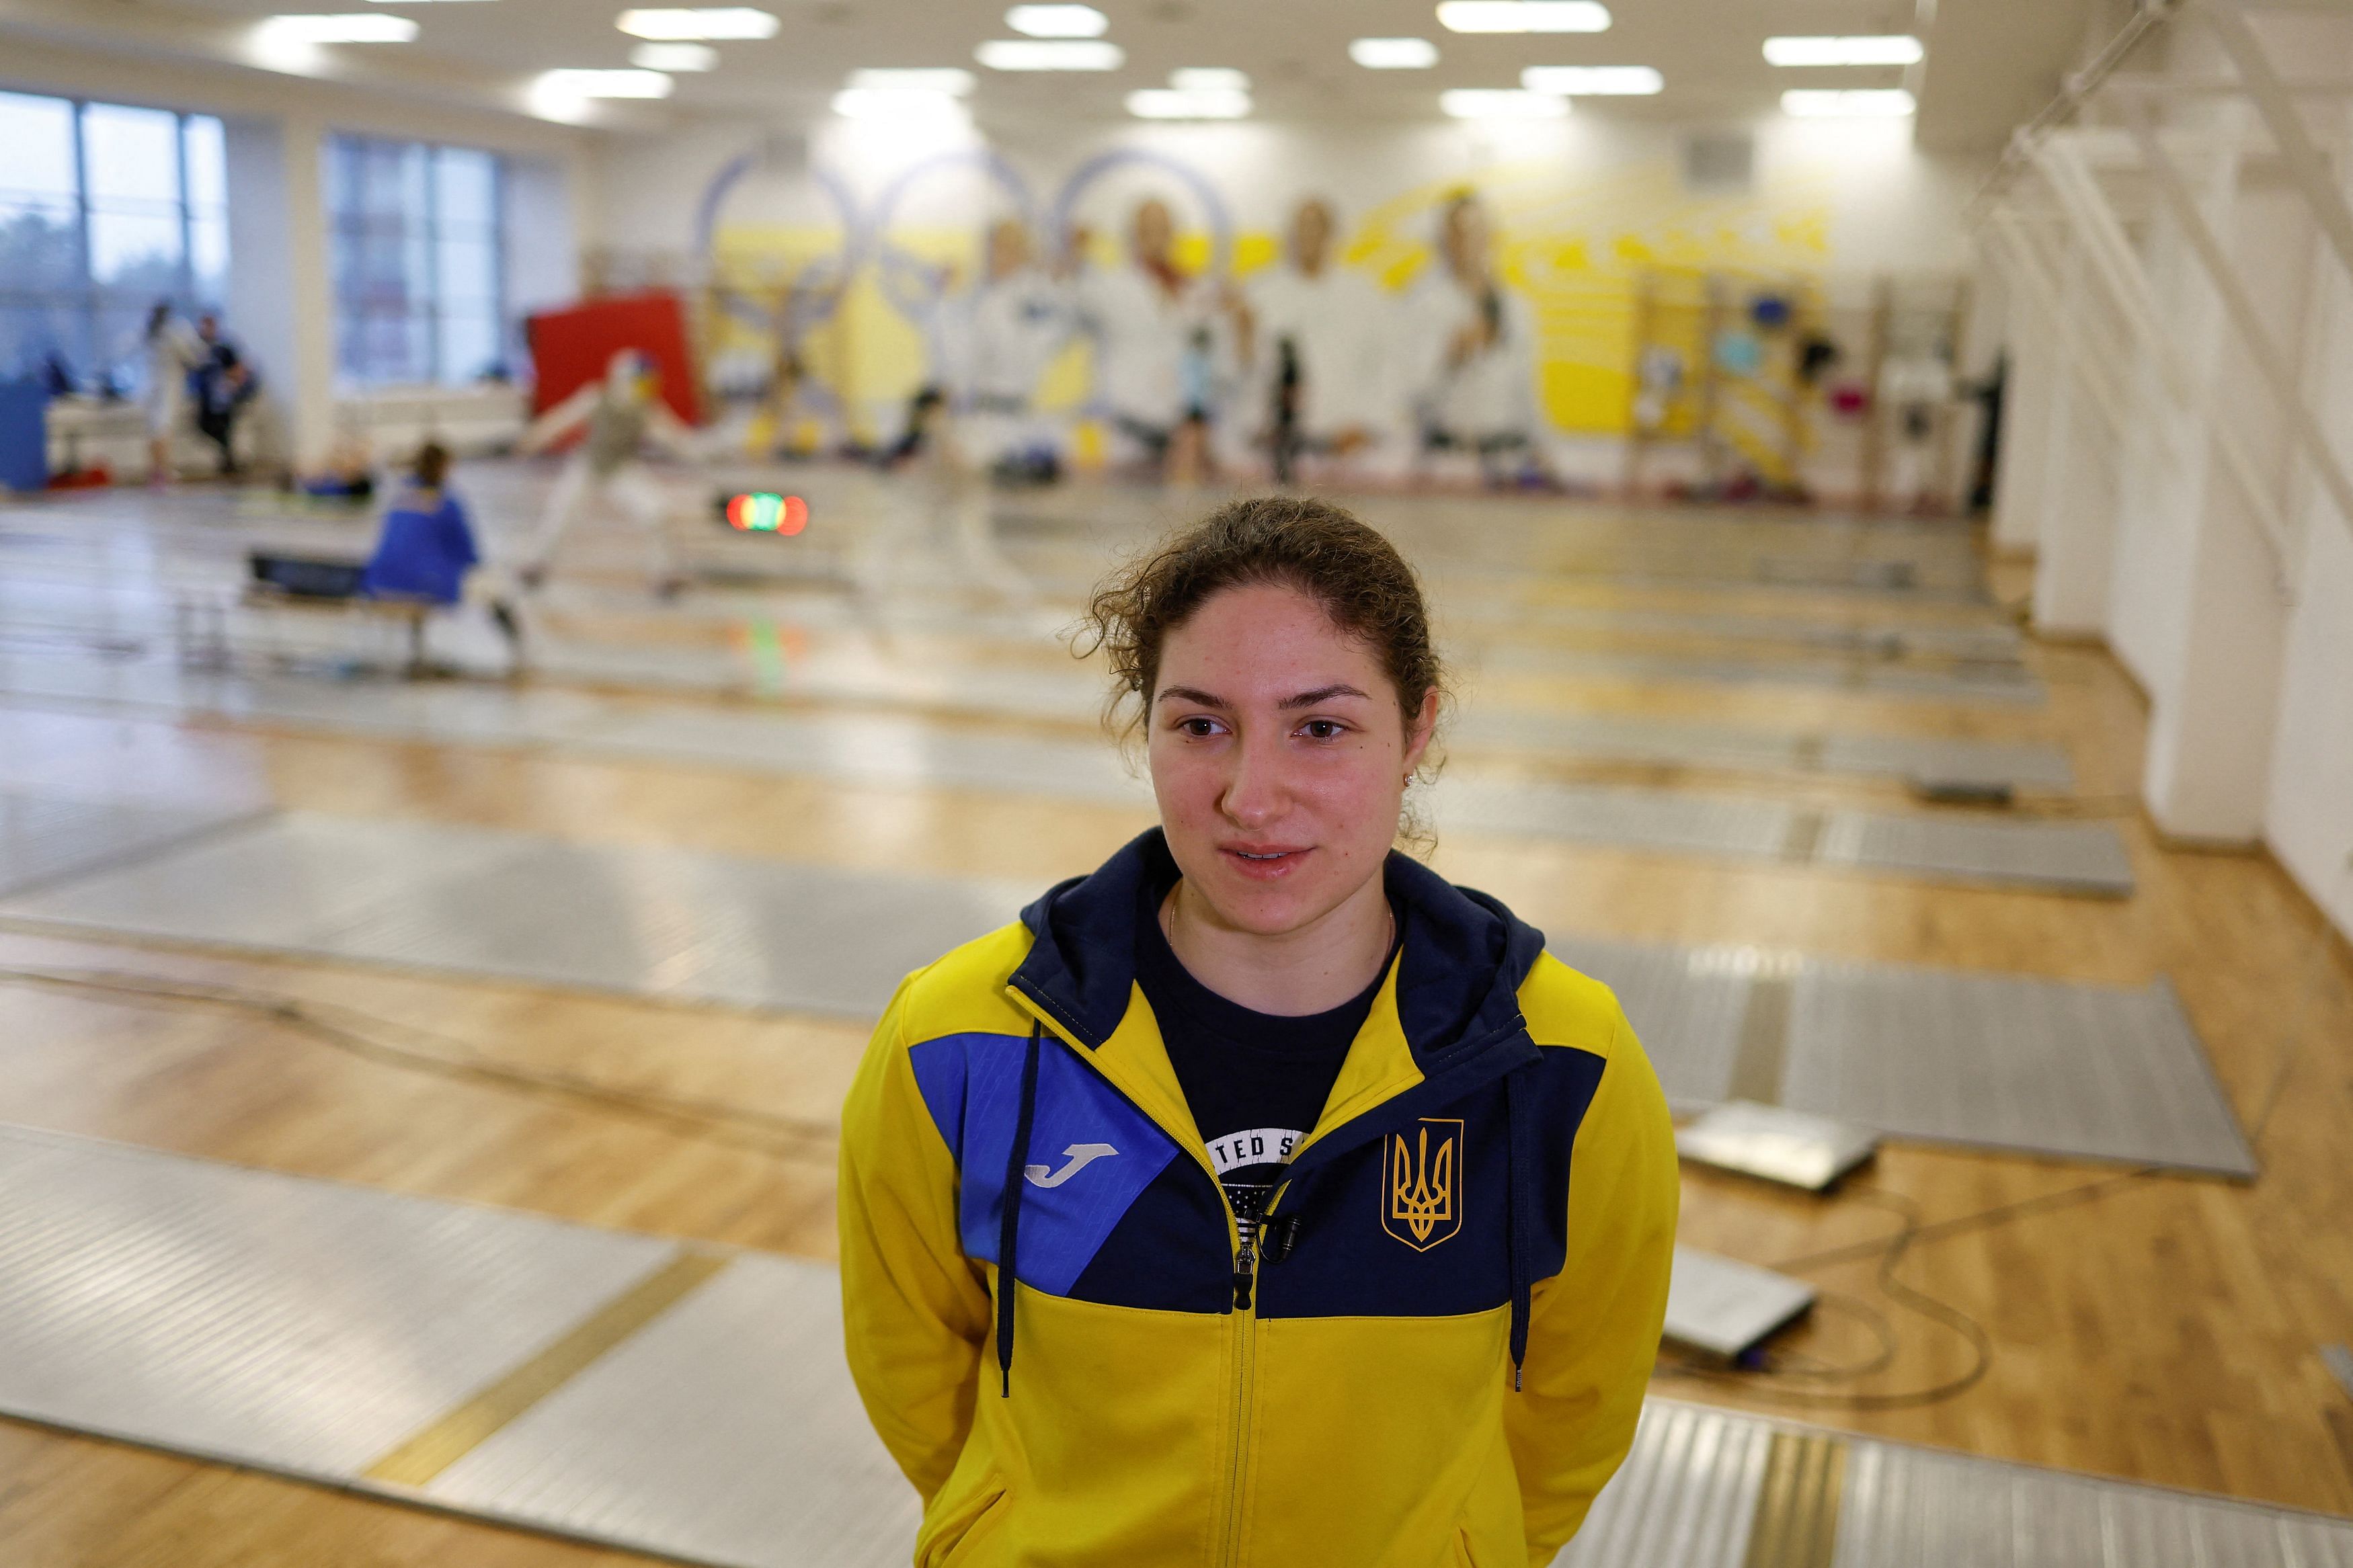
2001	1214
1798	1365
1911	1232
1759	1381
360	1034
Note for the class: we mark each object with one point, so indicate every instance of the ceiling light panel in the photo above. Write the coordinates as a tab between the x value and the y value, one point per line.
710	24
1524	16
1058	21
1394	54
1051	55
1501	103
603	84
1174	103
1596	81
675	57
1887	103
365	27
1873	49
953	82
1209	78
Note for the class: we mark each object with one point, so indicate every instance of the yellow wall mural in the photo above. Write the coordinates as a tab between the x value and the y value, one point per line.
1581	246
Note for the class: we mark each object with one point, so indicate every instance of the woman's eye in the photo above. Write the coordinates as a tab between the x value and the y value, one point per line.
1199	728
1322	728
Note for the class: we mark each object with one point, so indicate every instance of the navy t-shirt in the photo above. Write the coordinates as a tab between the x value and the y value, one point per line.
1255	1082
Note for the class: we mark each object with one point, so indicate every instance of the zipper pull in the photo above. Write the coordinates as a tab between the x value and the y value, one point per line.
1245	1267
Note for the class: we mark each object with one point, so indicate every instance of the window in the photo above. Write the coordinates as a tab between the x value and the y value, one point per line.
104	209
416	261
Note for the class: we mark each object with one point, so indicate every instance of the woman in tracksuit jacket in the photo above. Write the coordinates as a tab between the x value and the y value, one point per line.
1415	1332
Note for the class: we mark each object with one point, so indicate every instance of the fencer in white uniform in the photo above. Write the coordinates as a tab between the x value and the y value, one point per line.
621	415
1473	343
172	350
1143	316
1001	337
1325	337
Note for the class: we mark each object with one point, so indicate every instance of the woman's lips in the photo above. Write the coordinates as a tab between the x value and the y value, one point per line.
1264	862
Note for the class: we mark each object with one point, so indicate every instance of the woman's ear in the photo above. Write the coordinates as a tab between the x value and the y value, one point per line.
1417	733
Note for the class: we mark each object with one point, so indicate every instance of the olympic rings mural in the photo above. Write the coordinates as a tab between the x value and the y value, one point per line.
917	289
1576	240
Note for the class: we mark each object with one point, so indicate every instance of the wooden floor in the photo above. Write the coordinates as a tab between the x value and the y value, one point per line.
2153	1326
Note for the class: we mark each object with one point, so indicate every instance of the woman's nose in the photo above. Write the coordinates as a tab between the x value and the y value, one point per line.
1254	790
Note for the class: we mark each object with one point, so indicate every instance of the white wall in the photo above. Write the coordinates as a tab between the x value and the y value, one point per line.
277	303
2036	365
2244	650
2308	819
2078	486
2309	812
2211	744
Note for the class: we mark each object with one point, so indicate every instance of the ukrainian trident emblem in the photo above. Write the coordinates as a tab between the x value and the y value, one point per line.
1421	1183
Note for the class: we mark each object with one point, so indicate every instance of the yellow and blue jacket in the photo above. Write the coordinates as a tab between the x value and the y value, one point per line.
1432	1355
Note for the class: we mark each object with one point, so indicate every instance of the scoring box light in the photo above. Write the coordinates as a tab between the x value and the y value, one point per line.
764	511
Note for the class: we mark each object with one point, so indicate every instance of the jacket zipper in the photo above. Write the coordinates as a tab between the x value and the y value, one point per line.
1245	1317
1246	1261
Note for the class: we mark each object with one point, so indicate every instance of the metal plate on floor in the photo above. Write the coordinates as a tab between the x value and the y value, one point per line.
44	838
1664	820
309	1328
2090	1070
1686	744
1708	1487
2041	1066
1662	741
1686	1495
866	749
1988	642
518	907
1907	1505
1724	1309
1965	683
2022	765
1774	1143
725	1431
1687	1004
2069	856
2065	857
301	1325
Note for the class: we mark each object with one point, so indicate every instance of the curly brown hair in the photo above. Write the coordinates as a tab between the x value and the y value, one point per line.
1323	550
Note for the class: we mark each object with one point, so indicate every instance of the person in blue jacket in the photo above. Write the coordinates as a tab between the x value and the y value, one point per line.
428	544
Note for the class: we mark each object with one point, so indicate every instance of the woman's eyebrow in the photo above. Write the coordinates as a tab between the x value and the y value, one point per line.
1192	694
1322	694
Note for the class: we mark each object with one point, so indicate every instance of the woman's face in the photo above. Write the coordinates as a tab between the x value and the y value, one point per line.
1154	232
1279	757
1467	240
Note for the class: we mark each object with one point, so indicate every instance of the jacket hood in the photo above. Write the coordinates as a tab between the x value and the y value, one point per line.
1459	978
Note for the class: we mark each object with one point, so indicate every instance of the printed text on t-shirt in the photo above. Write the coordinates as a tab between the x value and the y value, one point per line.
1258	1146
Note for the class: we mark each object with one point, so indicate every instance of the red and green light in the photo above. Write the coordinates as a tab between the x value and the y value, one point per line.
762	511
